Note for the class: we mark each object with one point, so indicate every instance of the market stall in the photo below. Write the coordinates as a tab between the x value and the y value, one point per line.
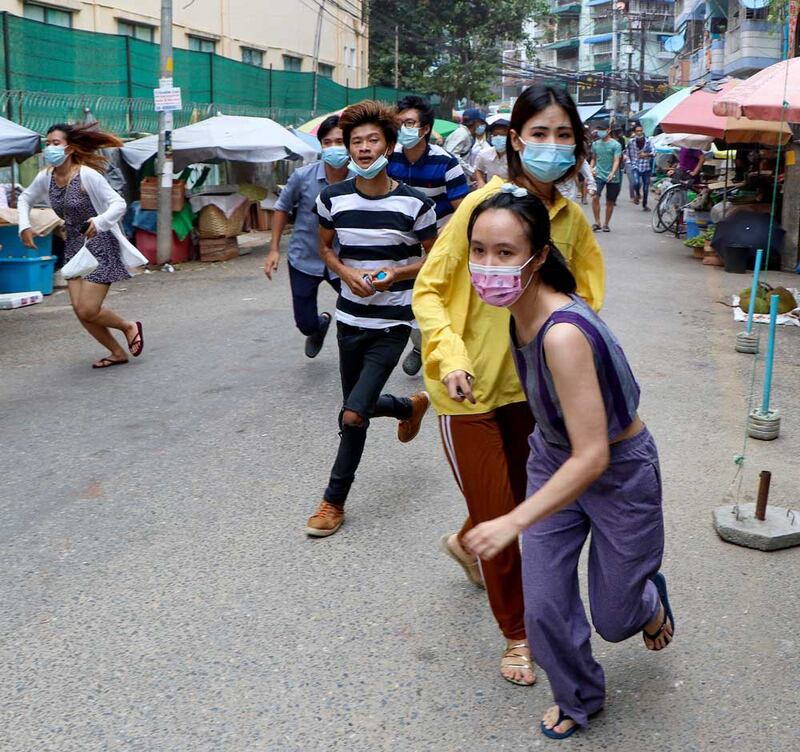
222	210
23	270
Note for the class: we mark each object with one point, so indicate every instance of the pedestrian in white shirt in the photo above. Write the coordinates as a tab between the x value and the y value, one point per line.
460	142
492	161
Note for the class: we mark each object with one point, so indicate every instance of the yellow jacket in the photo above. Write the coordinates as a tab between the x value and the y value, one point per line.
461	332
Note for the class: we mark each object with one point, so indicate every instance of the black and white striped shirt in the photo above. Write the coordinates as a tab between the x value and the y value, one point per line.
377	233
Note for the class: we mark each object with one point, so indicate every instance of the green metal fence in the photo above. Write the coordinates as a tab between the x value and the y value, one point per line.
52	74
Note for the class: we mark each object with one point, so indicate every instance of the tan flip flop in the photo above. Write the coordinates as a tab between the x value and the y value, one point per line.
472	571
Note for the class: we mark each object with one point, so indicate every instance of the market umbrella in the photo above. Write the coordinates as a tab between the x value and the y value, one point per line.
16	142
221	138
444	127
762	96
312	126
748	229
656	113
695	114
668	141
312	141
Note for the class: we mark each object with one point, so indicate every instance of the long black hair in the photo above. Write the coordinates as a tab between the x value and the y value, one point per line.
531	102
530	210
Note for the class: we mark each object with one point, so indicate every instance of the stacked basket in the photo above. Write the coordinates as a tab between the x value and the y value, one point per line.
218	233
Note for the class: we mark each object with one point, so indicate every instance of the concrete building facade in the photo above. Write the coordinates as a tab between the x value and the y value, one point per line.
714	39
278	33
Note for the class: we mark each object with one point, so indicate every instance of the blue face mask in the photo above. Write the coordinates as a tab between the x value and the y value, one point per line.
55	155
369	172
335	156
547	162
499	143
480	130
602	134
408	138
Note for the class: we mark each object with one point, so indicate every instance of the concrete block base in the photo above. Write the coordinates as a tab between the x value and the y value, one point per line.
747	343
780	529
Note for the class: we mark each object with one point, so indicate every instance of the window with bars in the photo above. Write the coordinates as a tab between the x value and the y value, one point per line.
52	16
135	30
201	44
252	56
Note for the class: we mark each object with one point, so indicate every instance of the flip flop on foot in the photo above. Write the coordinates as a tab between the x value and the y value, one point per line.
556	724
108	362
606	228
472	569
517	663
664	620
136	345
595	227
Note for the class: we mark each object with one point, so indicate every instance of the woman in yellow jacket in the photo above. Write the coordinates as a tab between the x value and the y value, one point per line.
484	417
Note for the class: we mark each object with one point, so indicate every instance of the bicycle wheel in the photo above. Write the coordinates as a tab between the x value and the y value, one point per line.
670	206
655	218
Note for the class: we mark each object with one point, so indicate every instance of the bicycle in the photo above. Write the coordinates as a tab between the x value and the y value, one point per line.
668	212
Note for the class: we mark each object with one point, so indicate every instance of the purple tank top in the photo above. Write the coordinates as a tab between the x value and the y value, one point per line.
617	383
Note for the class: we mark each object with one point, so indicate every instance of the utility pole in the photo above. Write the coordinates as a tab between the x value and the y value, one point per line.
396	56
317	40
165	120
643	40
614	57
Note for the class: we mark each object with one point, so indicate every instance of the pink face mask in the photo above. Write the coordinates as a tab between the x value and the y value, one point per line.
499	286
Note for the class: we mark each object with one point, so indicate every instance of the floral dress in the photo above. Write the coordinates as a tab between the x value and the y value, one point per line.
73	205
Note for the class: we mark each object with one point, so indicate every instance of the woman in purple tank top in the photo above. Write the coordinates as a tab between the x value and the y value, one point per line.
593	466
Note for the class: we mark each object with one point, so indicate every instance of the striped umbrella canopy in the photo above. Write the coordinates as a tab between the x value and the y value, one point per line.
312	126
657	113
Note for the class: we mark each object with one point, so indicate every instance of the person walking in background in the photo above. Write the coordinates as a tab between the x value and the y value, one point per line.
484	418
429	169
306	269
639	153
460	142
491	162
581	184
606	161
383	228
75	187
593	466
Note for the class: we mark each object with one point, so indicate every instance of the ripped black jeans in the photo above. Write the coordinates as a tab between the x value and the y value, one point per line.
367	358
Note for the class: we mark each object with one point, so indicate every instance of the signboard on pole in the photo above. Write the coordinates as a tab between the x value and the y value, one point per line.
168	99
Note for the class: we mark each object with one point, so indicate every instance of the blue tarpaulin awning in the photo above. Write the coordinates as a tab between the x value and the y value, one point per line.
598	38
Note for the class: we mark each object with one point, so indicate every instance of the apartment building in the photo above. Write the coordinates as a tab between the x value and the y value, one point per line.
584	36
277	33
722	38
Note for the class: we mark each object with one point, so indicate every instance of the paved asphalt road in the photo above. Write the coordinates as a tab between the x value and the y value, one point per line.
158	592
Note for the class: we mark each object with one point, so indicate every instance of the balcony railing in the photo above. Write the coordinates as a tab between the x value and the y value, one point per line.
603	26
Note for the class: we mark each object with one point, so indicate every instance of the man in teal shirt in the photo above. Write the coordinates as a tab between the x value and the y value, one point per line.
606	158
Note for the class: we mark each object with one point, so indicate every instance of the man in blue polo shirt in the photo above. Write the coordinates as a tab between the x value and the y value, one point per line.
429	169
306	270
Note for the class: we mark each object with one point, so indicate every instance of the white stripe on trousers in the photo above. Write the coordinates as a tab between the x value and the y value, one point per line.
449	447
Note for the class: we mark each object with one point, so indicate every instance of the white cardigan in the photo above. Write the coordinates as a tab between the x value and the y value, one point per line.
109	207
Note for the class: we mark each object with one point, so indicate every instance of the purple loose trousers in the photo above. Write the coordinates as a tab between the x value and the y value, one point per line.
622	510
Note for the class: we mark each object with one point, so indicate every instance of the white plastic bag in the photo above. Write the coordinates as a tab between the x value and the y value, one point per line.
131	257
80	265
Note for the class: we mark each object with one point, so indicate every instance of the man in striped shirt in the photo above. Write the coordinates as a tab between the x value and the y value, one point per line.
382	227
429	169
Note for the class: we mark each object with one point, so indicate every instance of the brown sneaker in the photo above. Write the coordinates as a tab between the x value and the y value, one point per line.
326	520
408	429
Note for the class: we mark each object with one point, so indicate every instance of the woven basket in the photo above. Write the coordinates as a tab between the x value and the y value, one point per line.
149	194
213	223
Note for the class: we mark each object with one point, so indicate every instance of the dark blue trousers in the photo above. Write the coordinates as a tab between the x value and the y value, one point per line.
304	298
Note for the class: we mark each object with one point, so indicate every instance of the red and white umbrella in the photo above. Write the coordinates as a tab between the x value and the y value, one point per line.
771	94
695	114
